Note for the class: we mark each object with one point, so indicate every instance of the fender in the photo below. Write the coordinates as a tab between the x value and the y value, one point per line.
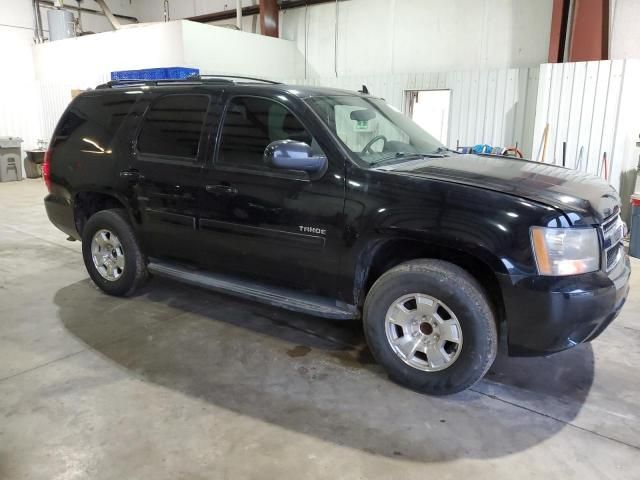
382	253
100	197
473	227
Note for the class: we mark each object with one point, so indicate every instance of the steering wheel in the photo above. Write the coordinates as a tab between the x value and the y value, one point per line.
367	147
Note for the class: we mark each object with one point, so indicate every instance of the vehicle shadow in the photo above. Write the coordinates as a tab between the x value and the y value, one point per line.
315	376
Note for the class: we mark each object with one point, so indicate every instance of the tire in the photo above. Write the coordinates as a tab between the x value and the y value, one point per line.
129	270
452	365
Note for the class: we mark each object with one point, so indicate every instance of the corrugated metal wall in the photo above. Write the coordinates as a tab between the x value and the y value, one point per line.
579	102
593	108
495	107
20	112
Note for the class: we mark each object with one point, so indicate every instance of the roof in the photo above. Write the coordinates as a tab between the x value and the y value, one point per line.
226	82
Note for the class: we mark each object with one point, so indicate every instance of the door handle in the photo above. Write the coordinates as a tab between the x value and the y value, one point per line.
178	191
221	189
131	175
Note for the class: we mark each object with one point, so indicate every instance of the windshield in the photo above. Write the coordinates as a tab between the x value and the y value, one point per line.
373	130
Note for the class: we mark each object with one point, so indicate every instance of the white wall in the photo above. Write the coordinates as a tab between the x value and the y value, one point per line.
84	61
88	59
21	99
19	106
625	22
444	34
16	38
17	28
245	53
152	10
400	36
92	22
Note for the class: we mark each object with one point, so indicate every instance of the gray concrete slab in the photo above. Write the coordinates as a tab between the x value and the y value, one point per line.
177	382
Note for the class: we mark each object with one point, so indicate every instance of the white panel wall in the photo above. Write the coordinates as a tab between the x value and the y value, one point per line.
20	112
495	107
593	107
400	36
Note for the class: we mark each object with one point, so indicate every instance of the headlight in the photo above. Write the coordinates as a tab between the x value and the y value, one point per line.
565	251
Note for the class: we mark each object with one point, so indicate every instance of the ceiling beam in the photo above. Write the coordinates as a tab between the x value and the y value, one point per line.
253	10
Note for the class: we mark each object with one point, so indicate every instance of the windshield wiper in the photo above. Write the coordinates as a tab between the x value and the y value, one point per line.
406	156
398	156
446	149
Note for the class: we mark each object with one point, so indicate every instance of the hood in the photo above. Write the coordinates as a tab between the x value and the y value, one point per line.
590	197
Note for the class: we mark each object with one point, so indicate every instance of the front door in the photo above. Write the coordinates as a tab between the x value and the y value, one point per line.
284	227
166	174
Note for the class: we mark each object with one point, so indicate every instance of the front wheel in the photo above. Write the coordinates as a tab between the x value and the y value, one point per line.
430	325
111	253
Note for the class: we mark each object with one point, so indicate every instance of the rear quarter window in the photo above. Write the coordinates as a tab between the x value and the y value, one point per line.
92	122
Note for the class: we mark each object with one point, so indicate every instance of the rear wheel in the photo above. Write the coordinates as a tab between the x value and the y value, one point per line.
430	325
111	253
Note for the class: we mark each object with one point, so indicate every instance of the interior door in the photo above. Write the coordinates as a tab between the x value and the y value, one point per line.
165	174
281	226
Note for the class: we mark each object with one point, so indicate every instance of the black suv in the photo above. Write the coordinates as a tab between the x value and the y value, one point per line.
332	203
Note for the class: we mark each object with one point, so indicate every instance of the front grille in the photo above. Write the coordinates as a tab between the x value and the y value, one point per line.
610	223
613	255
612	232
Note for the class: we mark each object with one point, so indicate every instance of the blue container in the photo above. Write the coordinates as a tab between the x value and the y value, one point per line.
634	237
168	73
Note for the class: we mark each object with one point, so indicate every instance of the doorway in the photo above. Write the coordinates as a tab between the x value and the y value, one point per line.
430	110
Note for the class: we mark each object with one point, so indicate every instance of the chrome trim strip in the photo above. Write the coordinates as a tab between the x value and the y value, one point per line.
612	234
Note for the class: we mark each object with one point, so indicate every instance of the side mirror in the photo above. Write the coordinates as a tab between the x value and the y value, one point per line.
292	155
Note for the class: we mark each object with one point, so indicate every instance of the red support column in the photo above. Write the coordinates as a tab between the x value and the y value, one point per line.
589	31
559	19
269	18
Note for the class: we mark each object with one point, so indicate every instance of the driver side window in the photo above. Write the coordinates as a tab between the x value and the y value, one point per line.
250	125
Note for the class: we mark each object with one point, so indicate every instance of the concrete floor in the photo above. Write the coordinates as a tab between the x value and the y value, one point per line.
179	383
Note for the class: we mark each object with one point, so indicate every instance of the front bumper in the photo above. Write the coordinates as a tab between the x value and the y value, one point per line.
549	314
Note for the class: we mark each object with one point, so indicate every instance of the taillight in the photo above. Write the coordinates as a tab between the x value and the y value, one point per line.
46	169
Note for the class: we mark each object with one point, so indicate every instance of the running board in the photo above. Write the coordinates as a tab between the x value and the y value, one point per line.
275	296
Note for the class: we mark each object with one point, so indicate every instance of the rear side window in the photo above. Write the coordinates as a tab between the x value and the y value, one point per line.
172	126
93	121
250	125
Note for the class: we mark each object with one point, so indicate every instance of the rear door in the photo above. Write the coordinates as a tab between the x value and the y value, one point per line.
165	172
280	226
